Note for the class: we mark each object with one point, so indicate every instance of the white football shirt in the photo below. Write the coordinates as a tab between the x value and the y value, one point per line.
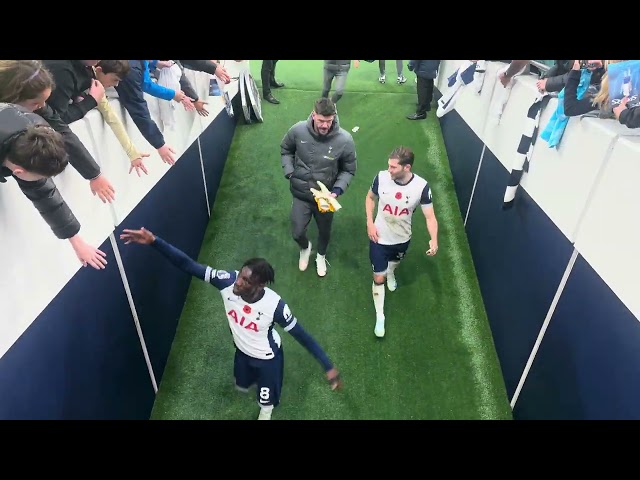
252	324
396	204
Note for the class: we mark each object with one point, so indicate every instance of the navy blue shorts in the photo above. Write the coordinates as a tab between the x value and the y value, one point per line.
266	374
381	255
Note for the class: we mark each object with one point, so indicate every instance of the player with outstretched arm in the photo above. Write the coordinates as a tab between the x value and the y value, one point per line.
251	308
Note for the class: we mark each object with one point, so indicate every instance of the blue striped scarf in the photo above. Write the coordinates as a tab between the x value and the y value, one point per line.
552	133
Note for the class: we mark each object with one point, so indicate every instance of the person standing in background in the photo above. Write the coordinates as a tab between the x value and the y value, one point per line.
337	69
383	77
268	76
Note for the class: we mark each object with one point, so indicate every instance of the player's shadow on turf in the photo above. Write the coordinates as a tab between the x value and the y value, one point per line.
419	270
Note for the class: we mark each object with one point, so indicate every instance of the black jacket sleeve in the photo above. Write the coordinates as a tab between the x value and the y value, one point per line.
572	106
47	199
132	98
556	83
79	156
206	66
187	88
630	117
65	90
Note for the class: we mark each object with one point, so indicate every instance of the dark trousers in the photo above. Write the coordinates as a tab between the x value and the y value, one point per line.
425	94
268	75
301	213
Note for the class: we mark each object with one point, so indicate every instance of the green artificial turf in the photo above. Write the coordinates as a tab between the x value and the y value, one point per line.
437	360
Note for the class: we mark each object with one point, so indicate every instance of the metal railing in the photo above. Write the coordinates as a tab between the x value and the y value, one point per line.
543	67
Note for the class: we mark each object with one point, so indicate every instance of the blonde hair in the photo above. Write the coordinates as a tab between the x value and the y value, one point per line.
601	100
22	80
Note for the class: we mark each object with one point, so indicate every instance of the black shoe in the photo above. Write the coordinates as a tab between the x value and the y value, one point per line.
417	116
276	84
271	99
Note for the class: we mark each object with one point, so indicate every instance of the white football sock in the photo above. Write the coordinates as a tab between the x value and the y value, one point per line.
378	299
265	412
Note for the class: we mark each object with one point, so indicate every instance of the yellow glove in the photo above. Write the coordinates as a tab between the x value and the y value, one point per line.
326	202
324	206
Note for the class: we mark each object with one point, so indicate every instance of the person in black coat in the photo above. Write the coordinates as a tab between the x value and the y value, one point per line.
426	71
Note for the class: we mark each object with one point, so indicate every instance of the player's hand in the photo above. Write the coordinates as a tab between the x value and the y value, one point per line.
333	376
142	236
372	231
433	248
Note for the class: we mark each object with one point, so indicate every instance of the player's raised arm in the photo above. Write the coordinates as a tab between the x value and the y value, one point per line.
283	317
217	278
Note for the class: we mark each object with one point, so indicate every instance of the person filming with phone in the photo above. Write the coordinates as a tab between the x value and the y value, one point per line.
590	95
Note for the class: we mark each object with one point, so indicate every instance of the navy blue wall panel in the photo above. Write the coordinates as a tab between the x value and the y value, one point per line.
215	143
519	257
588	364
463	149
176	210
81	358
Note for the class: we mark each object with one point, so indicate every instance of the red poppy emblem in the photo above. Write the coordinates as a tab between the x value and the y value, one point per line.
398	196
246	309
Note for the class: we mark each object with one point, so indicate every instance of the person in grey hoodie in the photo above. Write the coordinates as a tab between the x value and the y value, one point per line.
337	69
316	150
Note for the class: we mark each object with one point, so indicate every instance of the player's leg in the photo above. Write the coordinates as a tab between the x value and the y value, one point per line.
379	261
301	212
245	375
327	79
341	82
272	81
265	73
382	65
401	78
392	284
396	254
324	222
269	387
